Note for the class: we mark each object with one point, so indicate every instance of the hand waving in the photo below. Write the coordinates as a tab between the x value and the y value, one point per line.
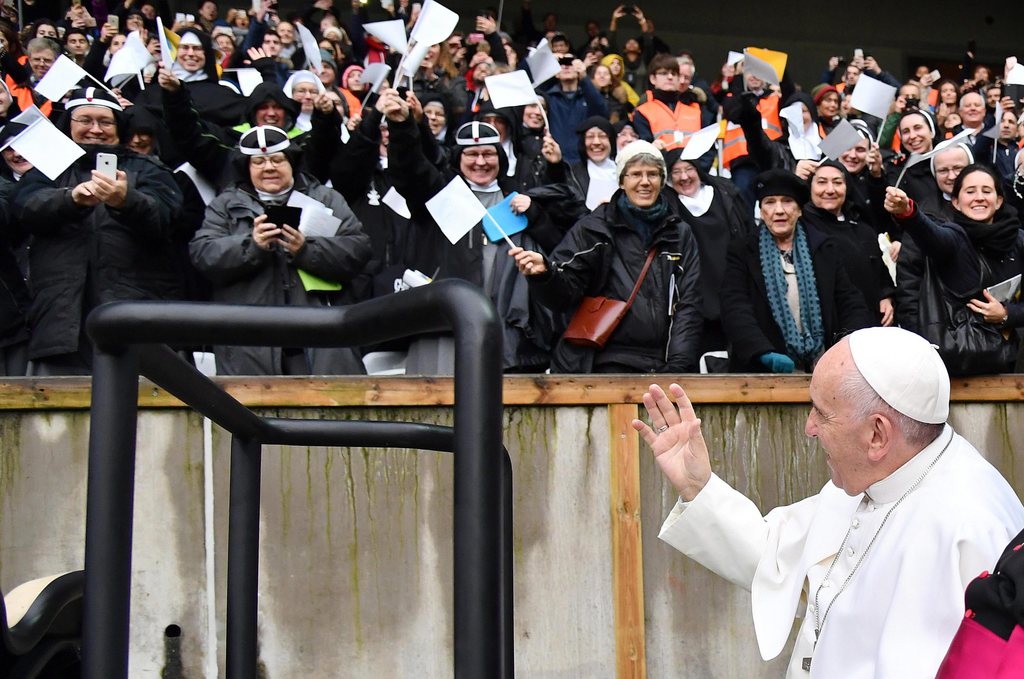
676	440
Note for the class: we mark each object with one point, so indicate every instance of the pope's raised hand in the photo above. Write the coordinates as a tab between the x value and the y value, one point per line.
676	439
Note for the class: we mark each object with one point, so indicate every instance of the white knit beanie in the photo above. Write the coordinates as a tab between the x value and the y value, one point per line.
634	149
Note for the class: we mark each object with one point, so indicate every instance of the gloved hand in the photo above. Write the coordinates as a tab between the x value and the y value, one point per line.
777	363
740	108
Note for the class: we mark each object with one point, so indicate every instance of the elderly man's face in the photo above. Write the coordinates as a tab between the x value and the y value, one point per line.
844	438
41	61
972	110
93	125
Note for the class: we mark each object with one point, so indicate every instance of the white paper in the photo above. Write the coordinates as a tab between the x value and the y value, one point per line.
1006	291
700	142
600	190
872	96
374	75
391	33
130	59
64	75
205	189
734	57
840	140
455	209
311	47
435	23
396	201
411	62
317	220
759	68
542	62
803	144
1016	75
43	145
166	53
248	79
510	89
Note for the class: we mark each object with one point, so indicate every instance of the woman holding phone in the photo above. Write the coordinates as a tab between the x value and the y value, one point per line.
253	251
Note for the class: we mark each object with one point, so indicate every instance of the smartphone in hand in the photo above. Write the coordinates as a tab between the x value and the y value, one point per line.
106	164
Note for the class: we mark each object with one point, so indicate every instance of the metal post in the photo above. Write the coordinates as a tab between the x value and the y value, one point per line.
243	558
108	516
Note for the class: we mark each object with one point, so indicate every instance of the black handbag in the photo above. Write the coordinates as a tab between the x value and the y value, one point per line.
967	344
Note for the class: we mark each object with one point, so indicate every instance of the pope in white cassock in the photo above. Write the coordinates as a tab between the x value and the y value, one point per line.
877	562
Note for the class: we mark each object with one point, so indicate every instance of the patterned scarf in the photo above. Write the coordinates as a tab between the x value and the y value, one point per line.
805	345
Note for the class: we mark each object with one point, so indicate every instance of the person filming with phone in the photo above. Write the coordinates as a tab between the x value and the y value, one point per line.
103	230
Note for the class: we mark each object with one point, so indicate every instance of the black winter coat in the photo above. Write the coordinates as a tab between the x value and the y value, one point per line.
602	255
14	297
747	315
84	256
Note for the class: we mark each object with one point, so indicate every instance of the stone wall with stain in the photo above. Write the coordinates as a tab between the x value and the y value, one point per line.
356	544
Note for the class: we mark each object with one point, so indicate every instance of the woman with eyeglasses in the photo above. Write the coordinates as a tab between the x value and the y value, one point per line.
981	247
605	254
255	250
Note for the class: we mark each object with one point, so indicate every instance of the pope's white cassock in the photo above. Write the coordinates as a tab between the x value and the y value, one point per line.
898	612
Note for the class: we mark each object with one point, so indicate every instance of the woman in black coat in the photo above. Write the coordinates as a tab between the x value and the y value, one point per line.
786	296
604	254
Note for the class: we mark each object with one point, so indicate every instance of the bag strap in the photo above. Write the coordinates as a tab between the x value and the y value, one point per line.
640	279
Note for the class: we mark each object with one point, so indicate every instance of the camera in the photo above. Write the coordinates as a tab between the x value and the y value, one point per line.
913	102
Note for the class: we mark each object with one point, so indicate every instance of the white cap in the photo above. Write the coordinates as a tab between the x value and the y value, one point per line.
633	149
905	370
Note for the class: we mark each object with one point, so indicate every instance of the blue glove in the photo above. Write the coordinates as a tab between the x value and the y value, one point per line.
777	363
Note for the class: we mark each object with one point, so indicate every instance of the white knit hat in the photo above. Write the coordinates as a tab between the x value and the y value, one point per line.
905	370
633	149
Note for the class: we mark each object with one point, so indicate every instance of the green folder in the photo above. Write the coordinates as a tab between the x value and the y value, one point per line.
316	284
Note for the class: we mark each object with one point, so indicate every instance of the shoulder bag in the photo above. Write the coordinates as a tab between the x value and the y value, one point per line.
597	317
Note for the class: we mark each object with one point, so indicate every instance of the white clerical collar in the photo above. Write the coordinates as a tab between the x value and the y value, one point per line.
699	203
484	188
892	487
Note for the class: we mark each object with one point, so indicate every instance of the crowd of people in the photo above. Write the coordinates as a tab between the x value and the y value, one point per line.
312	188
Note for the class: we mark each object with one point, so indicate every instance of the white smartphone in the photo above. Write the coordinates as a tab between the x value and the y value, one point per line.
858	53
179	17
106	164
190	18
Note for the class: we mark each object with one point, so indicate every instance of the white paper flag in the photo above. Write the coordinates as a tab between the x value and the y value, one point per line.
248	79
700	142
734	57
872	96
205	189
456	209
374	75
43	145
841	139
916	158
311	47
510	89
130	59
803	142
396	201
411	61
167	53
759	68
542	62
391	33
435	23
1016	75
64	75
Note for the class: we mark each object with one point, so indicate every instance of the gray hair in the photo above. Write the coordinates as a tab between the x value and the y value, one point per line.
865	401
39	44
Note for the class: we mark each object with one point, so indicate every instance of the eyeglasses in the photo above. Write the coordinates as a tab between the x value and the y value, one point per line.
640	175
683	172
275	161
104	123
486	156
954	170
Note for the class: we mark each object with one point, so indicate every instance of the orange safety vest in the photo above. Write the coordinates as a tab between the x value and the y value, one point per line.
735	144
25	96
673	127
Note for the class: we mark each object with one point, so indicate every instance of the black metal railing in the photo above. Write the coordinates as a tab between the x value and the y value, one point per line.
132	338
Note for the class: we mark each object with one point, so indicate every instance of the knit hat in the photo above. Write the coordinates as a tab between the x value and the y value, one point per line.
819	91
348	72
905	370
327	58
780	182
263	141
634	149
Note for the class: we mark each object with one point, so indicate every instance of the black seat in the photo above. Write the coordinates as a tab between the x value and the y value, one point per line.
41	628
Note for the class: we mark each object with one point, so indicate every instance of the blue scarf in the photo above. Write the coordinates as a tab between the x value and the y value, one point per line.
644	220
805	345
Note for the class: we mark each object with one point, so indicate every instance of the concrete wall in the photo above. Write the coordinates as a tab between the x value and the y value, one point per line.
356	546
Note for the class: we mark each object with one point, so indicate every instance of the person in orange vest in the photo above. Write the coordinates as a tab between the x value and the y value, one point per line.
42	52
669	116
754	121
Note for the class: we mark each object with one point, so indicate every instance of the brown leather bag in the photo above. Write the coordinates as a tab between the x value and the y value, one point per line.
597	317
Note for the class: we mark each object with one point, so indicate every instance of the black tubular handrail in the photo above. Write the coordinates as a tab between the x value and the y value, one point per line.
131	338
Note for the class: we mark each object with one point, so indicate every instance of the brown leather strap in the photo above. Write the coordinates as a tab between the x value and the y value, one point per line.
639	280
